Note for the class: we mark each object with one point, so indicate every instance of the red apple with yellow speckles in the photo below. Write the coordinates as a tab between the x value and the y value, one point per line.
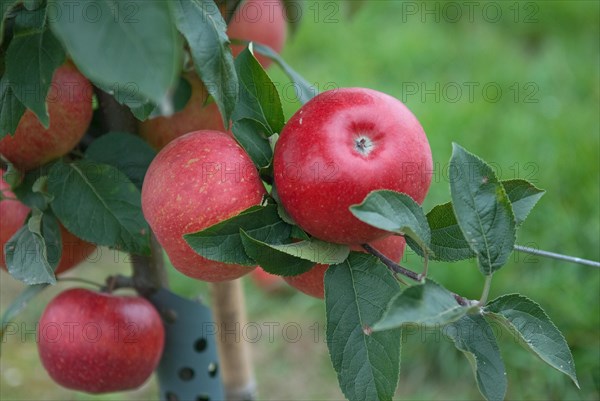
69	104
196	181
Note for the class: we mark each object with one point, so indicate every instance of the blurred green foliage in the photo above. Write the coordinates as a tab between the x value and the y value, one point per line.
544	126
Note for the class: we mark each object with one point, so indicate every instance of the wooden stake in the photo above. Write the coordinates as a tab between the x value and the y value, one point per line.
229	311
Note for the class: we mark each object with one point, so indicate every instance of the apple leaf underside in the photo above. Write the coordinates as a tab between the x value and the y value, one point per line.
108	205
34	251
17	305
202	25
427	304
293	258
356	295
32	56
482	210
304	90
118	30
473	335
528	321
395	212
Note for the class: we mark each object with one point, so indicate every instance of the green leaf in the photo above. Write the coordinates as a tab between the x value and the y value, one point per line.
99	204
304	90
258	97
6	8
121	44
427	304
447	241
528	320
27	252
474	337
11	108
17	305
356	295
222	242
397	213
482	209
273	260
32	56
252	137
126	152
523	196
201	24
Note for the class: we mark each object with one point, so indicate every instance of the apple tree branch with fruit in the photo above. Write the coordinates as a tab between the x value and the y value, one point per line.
153	126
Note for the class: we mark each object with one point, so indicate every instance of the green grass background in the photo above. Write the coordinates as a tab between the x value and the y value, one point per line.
544	127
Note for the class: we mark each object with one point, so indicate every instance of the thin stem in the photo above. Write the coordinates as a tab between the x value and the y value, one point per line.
393	266
78	280
486	290
115	282
558	256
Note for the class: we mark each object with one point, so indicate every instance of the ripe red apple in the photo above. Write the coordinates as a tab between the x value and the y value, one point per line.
266	281
261	21
196	181
339	147
12	217
98	342
195	116
70	109
311	282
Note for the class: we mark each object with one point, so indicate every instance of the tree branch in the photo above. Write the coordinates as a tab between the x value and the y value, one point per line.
393	266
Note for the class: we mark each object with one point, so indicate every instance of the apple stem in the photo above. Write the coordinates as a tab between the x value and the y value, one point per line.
78	280
393	266
115	282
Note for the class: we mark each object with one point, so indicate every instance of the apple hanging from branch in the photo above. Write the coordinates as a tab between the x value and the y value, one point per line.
69	102
196	181
99	342
339	147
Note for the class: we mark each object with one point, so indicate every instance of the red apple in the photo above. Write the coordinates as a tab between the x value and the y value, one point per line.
261	21
311	282
98	342
196	181
13	214
339	147
195	116
266	281
69	104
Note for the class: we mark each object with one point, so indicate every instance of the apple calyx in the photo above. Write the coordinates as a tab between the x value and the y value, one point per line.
364	145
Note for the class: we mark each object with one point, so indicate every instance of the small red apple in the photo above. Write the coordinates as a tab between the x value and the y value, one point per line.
13	214
70	109
339	147
98	342
196	181
195	116
261	21
311	282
